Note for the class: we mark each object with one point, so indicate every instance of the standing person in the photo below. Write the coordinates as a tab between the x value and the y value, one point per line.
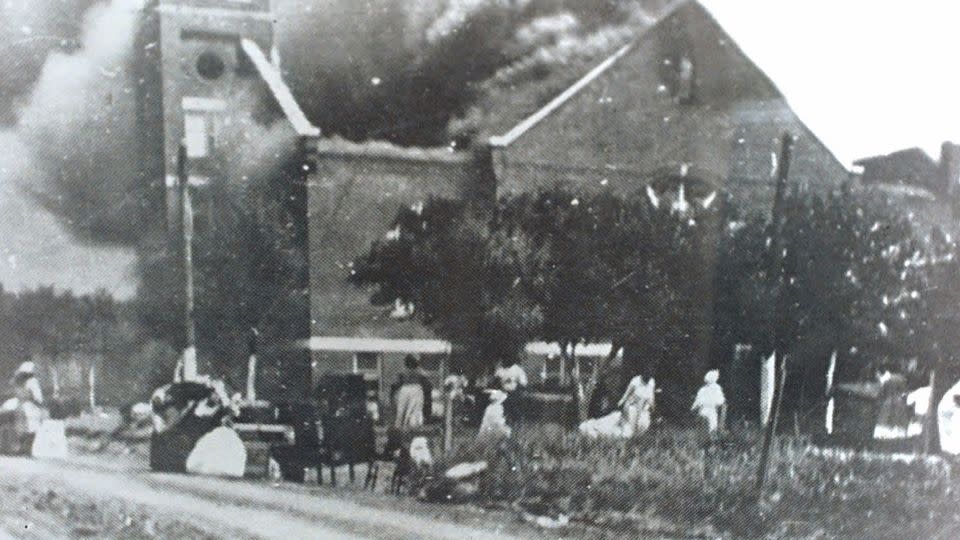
893	414
878	408
637	405
919	403
512	379
410	395
27	405
710	403
494	423
948	420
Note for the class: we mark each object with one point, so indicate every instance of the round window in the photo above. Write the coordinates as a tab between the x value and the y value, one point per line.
210	66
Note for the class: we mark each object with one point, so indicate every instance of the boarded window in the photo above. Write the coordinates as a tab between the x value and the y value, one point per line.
196	135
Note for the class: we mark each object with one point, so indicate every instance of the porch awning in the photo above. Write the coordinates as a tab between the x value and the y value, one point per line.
379	345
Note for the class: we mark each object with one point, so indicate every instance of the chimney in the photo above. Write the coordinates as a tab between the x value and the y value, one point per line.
950	168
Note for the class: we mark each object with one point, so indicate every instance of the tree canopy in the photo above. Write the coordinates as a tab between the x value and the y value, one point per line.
683	282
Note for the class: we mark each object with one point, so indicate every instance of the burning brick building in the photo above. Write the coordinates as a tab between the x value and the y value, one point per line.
681	102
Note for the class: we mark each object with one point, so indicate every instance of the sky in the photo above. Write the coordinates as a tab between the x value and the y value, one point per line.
867	76
43	253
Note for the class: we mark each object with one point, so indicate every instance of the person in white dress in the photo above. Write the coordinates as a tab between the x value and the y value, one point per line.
26	405
631	419
710	403
637	406
948	420
494	422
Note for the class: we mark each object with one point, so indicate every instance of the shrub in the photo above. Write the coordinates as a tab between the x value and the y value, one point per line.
671	478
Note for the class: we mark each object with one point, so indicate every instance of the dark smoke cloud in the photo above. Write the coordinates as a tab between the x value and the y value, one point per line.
402	69
76	136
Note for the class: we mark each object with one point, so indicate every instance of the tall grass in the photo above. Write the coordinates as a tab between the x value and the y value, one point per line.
671	479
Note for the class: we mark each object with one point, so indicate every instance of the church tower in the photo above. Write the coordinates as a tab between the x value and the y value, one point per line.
208	84
194	63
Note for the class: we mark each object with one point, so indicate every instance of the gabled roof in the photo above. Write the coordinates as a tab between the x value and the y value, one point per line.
678	8
564	97
279	90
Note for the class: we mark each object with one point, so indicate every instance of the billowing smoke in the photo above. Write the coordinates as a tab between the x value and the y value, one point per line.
29	31
402	69
74	136
74	146
410	71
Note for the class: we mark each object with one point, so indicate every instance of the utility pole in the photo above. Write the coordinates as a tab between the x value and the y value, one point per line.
251	393
189	360
775	276
930	421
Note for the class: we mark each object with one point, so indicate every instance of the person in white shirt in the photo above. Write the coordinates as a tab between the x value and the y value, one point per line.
27	405
710	403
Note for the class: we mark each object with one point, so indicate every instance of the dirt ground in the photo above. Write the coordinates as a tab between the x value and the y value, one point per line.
112	495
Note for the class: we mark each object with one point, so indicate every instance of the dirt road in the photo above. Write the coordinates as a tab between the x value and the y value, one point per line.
89	497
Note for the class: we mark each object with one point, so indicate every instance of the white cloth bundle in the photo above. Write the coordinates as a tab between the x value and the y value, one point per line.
50	441
948	420
218	453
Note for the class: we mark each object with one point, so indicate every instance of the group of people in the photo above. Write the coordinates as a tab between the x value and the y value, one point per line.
634	413
412	389
889	411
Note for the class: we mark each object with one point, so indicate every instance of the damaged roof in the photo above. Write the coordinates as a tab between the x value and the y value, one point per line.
686	26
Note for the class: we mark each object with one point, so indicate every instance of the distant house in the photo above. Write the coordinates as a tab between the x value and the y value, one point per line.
926	188
910	167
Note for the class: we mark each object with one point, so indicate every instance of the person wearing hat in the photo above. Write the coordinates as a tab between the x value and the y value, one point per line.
27	401
710	403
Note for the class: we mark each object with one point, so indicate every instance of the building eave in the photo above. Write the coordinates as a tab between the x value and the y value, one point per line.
508	138
279	90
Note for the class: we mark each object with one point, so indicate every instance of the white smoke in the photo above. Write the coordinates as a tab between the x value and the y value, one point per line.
71	149
76	135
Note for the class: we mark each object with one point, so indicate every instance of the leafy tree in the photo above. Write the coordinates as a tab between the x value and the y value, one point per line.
847	286
558	266
48	321
96	316
464	274
620	269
